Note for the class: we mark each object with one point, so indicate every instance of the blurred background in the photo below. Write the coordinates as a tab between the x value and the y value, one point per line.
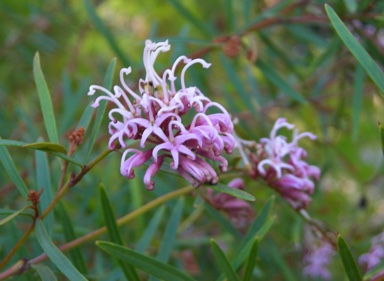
269	59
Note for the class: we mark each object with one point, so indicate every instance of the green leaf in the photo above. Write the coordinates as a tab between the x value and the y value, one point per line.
379	268
227	225
86	118
357	100
223	262
149	265
69	234
55	255
232	191
11	143
150	231
45	273
9	166
101	109
251	261
381	129
114	234
46	146
280	264
13	215
44	182
356	49
351	5
348	260
279	82
45	100
103	29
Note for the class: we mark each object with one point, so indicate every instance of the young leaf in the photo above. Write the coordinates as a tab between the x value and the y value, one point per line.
45	273
251	261
101	110
45	100
46	146
13	215
232	191
348	260
149	265
223	262
69	234
356	49
9	166
55	255
114	234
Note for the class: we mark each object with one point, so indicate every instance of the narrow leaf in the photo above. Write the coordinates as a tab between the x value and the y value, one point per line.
114	234
379	268
13	215
149	232
279	82
103	29
69	234
45	273
357	100
226	225
348	260
86	118
43	176
11	143
55	255
46	146
232	191
223	262
101	109
9	166
149	265
356	49
45	100
251	261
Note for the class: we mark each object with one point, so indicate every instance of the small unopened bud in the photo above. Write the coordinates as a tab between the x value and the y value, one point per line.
232	47
76	136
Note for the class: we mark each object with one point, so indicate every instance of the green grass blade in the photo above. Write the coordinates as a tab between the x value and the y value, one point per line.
357	100
101	109
9	166
55	255
12	216
45	100
223	262
69	234
232	191
103	29
149	265
150	231
356	49
349	262
279	82
114	233
43	176
251	261
44	272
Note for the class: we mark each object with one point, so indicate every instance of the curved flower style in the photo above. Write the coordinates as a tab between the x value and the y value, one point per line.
374	256
281	164
156	117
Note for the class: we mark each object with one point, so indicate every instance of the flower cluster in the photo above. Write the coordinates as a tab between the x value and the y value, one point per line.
158	117
281	163
375	255
239	211
317	259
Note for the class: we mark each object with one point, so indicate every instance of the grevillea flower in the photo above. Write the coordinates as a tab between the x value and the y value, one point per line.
317	259
156	117
239	211
374	256
281	163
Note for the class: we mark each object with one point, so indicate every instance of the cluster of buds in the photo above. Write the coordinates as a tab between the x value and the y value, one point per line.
281	163
177	123
374	256
239	212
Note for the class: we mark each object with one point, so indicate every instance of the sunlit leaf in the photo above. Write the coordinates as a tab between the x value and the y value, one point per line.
55	255
46	146
149	265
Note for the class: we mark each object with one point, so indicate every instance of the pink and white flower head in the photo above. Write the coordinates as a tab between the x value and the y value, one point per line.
374	256
156	117
239	211
317	259
281	163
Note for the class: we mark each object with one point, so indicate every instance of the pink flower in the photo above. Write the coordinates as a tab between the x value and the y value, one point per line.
156	117
281	163
375	255
317	260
